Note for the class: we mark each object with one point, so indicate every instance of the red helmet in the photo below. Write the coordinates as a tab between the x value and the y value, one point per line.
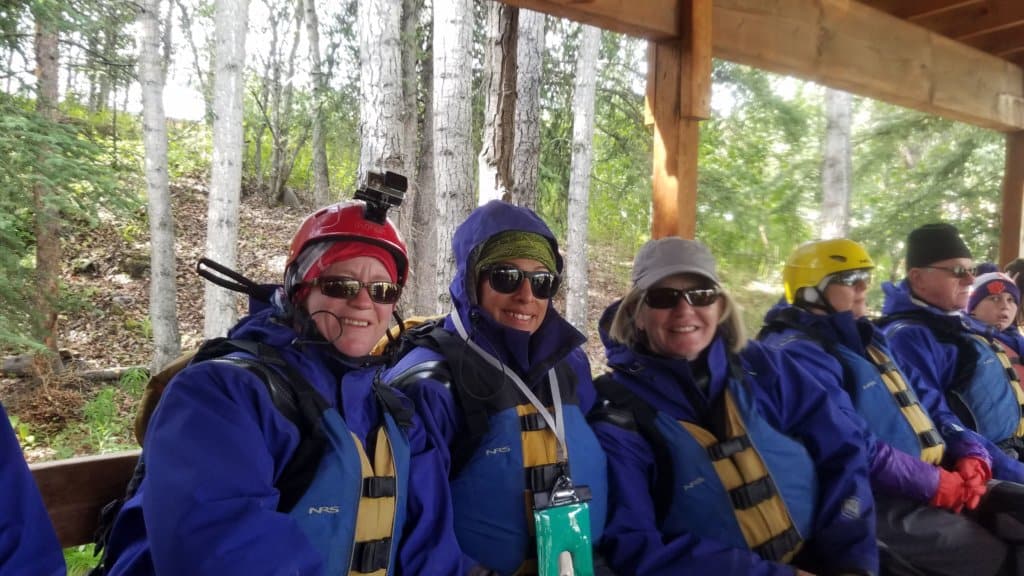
345	220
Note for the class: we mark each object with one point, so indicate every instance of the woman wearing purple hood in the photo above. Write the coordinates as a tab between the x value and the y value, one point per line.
724	457
503	385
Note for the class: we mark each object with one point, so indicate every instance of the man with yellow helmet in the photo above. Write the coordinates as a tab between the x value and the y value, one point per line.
923	471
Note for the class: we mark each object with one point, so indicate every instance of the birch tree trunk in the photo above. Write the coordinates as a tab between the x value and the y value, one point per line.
836	165
381	98
285	152
425	202
321	181
453	159
495	162
231	20
412	11
530	66
47	216
163	311
579	177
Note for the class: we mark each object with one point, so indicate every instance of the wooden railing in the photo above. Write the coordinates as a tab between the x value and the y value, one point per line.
75	490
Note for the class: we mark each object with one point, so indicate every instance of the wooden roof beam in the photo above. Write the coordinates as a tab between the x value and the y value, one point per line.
650	19
840	43
851	46
914	9
976	20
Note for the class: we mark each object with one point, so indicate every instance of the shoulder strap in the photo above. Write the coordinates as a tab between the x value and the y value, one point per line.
624	409
297	401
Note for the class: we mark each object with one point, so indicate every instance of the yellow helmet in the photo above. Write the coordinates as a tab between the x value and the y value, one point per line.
811	262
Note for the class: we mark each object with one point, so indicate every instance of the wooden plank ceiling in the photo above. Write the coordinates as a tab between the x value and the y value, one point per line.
992	26
960	59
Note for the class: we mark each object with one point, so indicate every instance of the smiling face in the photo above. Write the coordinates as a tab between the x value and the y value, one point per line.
938	286
353	326
997	310
683	331
520	310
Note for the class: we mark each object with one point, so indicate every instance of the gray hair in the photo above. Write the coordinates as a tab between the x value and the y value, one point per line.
623	328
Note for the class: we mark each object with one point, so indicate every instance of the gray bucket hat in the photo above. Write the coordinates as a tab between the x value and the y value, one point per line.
659	259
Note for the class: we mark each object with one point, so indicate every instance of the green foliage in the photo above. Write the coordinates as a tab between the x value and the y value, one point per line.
80	559
73	160
189	149
133	382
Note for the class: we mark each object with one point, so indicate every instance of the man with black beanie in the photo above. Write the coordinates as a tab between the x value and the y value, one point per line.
956	368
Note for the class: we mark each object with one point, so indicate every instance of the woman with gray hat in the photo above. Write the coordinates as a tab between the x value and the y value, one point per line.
748	468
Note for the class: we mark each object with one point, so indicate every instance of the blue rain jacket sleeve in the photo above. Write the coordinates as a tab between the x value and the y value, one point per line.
892	471
844	537
28	544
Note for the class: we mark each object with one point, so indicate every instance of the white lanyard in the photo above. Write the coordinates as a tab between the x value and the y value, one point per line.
555	424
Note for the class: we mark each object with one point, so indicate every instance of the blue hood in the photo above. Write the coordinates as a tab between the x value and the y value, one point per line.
840	327
530	356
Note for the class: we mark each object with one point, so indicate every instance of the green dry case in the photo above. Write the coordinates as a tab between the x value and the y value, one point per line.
562	523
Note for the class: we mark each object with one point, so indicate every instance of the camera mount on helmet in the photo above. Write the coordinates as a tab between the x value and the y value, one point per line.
381	192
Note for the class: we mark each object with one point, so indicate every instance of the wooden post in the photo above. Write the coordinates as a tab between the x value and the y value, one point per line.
1010	239
678	98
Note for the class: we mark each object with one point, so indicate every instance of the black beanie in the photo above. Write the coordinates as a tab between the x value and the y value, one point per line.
933	243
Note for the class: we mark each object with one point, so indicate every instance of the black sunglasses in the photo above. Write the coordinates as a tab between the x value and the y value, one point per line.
347	288
957	271
851	277
662	298
507	279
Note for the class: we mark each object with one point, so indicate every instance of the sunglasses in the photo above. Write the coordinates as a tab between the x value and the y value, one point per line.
957	271
507	279
851	277
348	288
663	298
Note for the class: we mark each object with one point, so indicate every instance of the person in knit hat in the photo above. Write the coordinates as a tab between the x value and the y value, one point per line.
994	300
961	372
505	385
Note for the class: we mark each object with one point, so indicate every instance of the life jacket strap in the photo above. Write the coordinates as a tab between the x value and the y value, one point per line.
542	478
379	487
371	556
532	422
930	438
778	547
753	493
723	450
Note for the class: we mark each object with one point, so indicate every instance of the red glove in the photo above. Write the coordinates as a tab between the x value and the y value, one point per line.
976	474
951	492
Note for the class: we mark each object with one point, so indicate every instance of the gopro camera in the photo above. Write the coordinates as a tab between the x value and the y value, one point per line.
381	192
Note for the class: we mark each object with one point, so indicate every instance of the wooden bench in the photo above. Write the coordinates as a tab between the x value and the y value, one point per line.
75	490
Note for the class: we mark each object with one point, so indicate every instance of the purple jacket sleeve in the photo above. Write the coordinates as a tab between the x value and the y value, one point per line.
633	545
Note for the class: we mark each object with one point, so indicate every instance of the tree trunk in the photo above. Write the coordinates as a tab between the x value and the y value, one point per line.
526	154
321	181
167	40
381	98
495	163
453	159
425	202
226	171
47	216
202	74
287	153
836	165
579	178
163	310
411	64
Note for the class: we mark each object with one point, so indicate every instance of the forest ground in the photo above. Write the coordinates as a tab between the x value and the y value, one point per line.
106	323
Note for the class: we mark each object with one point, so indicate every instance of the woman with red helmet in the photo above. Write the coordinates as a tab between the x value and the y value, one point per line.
220	451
